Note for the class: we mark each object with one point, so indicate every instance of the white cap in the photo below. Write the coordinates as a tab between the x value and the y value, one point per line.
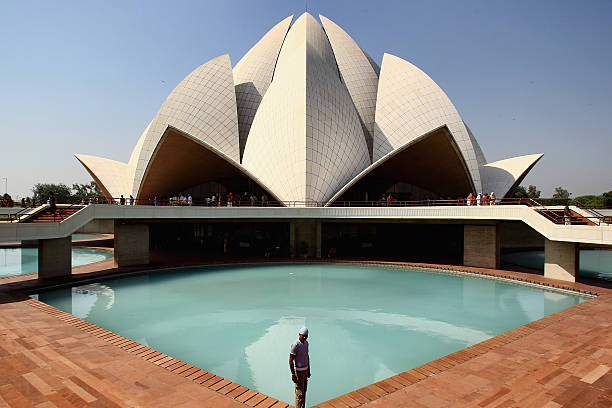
304	331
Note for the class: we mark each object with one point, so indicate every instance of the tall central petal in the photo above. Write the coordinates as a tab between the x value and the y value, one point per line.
306	140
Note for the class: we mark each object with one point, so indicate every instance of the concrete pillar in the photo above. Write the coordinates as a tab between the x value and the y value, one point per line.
131	244
481	246
305	238
54	257
561	260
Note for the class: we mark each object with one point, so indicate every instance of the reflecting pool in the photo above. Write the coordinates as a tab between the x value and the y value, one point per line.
366	323
19	261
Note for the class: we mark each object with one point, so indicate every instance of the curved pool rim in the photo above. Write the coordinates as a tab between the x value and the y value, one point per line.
389	385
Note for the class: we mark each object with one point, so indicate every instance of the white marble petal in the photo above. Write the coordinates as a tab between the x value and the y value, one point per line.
202	105
409	104
502	175
358	73
113	177
306	140
253	75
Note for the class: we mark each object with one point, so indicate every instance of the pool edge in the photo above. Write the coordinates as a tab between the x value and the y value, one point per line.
362	395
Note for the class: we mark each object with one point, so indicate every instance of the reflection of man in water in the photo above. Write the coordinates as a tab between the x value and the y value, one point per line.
299	364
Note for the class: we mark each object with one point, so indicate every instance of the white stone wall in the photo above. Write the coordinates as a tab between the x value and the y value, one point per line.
202	105
410	104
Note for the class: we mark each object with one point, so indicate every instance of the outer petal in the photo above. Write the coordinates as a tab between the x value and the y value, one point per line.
202	105
306	140
409	104
253	75
358	73
112	177
505	175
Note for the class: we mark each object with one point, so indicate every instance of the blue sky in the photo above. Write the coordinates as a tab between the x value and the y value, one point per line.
87	76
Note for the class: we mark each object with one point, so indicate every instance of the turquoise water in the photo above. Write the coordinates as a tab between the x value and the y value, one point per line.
366	323
19	261
594	264
76	237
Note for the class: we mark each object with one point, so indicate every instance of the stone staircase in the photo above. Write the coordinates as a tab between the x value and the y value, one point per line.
557	216
61	213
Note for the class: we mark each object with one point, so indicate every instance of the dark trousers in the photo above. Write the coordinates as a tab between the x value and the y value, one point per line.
300	388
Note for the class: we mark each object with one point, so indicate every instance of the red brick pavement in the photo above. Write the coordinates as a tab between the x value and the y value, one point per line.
51	359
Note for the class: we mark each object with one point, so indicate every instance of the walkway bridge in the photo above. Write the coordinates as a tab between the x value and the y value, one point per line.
481	239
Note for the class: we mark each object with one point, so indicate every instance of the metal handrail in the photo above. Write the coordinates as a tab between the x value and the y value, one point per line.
164	202
17	215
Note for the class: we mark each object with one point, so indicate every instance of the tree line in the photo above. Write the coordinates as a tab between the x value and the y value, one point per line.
79	193
602	200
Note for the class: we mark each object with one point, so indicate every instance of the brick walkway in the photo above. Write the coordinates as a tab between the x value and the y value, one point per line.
50	359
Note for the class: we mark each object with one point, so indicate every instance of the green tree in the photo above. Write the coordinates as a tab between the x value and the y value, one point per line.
61	191
533	192
520	192
7	200
607	199
560	192
590	200
85	192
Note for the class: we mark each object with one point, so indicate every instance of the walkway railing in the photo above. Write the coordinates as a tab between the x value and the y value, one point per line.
551	208
273	203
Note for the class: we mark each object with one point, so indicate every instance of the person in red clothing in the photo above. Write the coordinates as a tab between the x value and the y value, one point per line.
230	199
485	199
389	200
470	199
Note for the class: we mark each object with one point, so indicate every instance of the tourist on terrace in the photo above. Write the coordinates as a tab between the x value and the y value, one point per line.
122	200
479	199
492	198
131	199
52	201
230	199
299	365
485	199
189	200
470	199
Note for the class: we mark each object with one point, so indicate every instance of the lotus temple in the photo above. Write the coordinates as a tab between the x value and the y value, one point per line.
307	117
306	185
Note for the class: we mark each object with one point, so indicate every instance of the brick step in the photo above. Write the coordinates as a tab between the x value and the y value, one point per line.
47	216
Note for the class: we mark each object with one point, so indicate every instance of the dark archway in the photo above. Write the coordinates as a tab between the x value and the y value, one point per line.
429	167
183	164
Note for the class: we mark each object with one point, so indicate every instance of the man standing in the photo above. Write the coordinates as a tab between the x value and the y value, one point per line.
299	365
